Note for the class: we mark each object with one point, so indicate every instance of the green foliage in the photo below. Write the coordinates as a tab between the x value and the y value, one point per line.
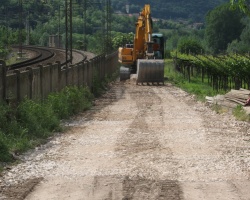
240	114
8	123
174	9
195	86
45	20
3	52
78	100
69	101
223	25
5	155
38	118
10	131
190	45
124	24
121	39
185	37
241	45
222	73
242	4
7	37
31	122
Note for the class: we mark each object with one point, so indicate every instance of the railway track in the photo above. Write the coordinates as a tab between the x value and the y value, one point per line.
44	55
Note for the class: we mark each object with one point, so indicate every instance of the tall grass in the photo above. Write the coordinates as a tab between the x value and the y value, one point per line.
32	122
241	114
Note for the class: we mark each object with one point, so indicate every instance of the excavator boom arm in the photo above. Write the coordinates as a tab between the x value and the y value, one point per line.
143	33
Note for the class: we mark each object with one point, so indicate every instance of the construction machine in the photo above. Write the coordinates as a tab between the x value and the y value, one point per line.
145	56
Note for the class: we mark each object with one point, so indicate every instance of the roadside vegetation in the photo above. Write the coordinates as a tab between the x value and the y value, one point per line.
195	86
200	89
240	114
30	123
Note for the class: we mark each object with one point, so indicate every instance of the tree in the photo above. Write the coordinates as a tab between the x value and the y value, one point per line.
190	45
244	5
242	45
121	39
223	25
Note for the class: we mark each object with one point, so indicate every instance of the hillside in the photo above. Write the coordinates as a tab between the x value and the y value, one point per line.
170	9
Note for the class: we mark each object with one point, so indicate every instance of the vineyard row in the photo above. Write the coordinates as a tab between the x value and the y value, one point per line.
221	72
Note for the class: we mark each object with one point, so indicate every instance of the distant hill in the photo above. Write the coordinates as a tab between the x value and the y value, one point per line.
170	9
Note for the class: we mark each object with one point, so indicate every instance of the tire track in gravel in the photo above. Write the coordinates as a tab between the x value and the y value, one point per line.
139	141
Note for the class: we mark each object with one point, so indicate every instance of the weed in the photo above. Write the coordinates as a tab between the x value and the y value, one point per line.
240	113
219	109
5	156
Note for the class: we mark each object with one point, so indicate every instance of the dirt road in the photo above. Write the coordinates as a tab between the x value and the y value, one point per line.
139	142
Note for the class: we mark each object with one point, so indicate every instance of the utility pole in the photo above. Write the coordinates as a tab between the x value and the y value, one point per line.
106	22
68	31
6	15
28	29
85	26
20	4
59	27
108	42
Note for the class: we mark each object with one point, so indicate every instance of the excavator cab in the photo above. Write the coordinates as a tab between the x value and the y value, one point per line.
158	45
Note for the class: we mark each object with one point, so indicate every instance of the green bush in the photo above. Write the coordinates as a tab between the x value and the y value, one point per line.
5	156
38	118
69	101
78	99
59	104
4	115
30	123
189	45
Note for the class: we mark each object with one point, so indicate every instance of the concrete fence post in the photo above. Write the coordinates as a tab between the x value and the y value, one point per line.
41	81
50	77
86	68
3	71
18	86
89	79
67	75
78	75
59	75
30	82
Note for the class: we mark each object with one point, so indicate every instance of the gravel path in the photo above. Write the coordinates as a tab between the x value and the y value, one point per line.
139	142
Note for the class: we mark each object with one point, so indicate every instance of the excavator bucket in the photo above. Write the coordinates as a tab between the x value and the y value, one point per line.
124	73
150	71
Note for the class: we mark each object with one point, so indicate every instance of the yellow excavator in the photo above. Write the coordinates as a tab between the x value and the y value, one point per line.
145	56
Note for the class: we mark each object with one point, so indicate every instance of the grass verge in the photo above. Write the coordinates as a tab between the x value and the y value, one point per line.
195	86
200	90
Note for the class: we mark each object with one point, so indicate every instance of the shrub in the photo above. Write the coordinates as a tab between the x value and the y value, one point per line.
187	45
69	101
31	122
5	156
38	118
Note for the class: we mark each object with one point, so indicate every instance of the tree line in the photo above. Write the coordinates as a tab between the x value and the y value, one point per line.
171	9
225	29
